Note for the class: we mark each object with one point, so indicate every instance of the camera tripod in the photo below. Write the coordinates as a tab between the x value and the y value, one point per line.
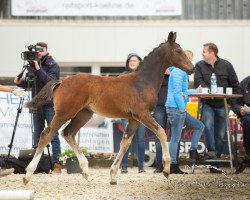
19	110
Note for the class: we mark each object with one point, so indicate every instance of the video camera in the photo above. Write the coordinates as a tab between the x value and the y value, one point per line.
32	54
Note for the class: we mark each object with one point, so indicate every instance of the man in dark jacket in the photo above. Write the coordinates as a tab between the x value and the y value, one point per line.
242	110
214	116
43	70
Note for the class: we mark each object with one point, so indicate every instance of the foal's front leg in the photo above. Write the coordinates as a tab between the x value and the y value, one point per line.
124	145
69	133
83	162
151	124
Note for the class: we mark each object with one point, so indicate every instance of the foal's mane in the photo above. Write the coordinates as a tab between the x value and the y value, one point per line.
149	55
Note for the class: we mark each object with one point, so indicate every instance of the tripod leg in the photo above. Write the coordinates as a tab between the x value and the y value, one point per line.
19	110
50	161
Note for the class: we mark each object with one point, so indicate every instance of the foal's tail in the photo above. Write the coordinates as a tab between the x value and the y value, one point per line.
44	95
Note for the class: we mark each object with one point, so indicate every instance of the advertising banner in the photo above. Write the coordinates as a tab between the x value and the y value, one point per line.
9	104
97	134
96	8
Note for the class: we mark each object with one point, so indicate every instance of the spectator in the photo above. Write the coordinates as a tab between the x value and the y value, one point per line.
214	116
244	113
132	63
160	116
176	111
44	70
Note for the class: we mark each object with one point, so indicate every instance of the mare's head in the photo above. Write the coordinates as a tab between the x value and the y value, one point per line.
175	56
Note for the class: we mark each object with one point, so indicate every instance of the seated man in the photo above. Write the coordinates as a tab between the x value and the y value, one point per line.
214	115
243	112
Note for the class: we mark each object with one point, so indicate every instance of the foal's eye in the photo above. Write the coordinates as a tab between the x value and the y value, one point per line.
178	51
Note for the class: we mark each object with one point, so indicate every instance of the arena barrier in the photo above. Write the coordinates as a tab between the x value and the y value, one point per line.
16	194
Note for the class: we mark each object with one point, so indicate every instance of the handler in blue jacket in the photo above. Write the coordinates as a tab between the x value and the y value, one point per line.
176	110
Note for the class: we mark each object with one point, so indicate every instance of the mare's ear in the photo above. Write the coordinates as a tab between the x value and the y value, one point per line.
171	37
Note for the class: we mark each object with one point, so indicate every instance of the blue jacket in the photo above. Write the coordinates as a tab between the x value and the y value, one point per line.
178	89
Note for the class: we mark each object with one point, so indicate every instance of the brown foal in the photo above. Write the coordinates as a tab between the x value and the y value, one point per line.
132	96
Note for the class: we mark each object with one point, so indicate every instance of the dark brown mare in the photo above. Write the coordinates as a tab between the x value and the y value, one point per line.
132	96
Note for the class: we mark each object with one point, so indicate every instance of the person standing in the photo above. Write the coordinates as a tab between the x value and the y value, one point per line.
160	116
132	63
45	70
214	116
176	110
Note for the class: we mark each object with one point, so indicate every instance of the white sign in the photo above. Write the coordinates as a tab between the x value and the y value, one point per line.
96	7
97	134
23	135
98	140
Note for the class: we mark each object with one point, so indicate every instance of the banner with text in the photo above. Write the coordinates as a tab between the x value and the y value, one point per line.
97	134
96	8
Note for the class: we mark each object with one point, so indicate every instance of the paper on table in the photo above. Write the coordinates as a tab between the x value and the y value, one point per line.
246	108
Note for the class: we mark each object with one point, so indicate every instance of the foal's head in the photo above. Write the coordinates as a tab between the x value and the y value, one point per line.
175	55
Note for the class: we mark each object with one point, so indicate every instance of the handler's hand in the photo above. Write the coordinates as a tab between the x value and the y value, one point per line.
19	92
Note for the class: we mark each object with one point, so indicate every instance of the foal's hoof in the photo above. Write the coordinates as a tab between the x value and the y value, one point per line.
25	180
166	174
85	175
113	182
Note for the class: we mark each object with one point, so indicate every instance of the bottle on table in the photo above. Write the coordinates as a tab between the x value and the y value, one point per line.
213	84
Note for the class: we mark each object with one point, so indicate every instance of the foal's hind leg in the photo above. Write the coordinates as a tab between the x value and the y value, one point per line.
124	145
151	124
46	137
69	133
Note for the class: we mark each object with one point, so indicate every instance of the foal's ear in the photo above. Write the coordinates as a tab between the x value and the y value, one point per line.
171	37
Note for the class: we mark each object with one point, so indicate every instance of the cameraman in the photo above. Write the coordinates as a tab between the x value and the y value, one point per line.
43	71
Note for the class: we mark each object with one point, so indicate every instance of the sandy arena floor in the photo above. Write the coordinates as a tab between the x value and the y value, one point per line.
200	185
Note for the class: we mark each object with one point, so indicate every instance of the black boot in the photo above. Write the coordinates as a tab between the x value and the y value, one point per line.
174	169
124	170
194	155
141	170
158	170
